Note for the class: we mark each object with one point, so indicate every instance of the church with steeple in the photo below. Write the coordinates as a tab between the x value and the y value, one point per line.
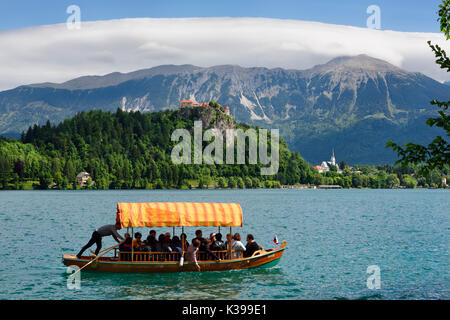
325	165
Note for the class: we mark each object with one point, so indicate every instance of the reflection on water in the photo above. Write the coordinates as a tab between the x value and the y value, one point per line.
188	285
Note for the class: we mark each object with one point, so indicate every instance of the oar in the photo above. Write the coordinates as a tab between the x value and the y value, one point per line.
182	253
100	251
182	258
107	250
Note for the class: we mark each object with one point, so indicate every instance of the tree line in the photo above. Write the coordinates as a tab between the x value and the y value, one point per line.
132	150
127	150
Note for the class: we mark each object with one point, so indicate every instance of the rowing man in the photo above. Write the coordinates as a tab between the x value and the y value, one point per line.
107	230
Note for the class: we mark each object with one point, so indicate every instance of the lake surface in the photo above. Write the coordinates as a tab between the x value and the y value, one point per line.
332	235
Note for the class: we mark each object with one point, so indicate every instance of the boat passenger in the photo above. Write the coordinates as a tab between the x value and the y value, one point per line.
237	246
199	236
229	240
184	241
218	245
137	242
204	248
159	243
192	251
145	246
151	240
175	245
159	248
251	246
166	243
125	246
97	235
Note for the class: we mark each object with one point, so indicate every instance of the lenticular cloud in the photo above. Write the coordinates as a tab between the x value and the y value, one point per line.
55	53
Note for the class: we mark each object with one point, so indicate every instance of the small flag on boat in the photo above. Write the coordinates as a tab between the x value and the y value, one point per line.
275	240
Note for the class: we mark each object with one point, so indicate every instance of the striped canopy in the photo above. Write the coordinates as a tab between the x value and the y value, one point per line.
179	214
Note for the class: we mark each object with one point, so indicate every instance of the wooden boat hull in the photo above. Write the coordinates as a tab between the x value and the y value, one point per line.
263	259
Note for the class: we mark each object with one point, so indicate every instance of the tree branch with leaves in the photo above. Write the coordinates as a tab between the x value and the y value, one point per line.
437	153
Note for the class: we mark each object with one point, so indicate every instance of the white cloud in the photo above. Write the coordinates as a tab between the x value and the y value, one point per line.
54	53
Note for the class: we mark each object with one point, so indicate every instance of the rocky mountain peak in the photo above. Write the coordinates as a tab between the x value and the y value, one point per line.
358	64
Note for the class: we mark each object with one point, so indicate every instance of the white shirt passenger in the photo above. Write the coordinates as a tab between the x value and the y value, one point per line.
238	248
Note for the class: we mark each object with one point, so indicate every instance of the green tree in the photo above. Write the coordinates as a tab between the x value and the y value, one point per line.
159	184
248	182
437	153
222	182
356	180
268	184
5	171
409	181
240	183
256	183
392	181
58	178
204	182
45	179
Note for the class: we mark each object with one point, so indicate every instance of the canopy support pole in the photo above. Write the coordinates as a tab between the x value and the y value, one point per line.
132	246
173	232
230	244
182	242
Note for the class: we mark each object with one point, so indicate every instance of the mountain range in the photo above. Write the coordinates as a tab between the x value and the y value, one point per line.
352	104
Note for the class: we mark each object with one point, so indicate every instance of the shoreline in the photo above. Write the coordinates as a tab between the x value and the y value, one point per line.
221	188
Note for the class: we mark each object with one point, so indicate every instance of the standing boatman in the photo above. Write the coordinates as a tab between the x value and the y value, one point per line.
106	230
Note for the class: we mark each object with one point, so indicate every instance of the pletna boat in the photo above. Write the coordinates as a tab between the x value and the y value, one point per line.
176	214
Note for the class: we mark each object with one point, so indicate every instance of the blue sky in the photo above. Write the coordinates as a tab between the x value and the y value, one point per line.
399	15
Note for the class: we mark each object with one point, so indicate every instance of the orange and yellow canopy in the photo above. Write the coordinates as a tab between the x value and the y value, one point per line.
179	214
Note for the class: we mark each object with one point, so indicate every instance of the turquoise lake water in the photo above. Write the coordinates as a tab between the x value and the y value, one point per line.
332	235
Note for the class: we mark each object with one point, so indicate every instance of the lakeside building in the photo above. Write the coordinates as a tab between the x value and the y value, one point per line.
82	178
325	165
332	186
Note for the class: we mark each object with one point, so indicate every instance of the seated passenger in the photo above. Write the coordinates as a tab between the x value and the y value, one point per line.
151	240
137	242
176	244
192	251
251	246
229	245
237	246
145	247
217	243
165	246
198	236
204	249
184	242
159	243
125	246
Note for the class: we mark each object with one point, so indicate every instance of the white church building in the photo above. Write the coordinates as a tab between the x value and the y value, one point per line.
325	165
